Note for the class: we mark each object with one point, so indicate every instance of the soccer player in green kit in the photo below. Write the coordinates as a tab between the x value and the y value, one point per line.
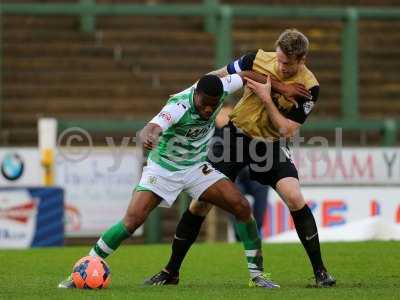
179	138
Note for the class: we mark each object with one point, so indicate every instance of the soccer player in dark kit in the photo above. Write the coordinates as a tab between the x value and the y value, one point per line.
261	121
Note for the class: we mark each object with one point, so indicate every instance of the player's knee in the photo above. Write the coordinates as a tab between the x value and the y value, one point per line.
294	200
200	208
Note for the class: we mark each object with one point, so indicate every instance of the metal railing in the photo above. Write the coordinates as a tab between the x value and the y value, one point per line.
88	10
218	20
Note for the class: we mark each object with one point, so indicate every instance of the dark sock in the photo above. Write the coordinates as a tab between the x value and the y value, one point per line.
186	233
308	233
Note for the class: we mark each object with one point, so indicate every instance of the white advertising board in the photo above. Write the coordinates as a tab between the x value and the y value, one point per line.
341	214
343	187
365	166
97	189
17	218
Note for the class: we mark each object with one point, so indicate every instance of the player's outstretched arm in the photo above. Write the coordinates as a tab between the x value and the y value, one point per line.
290	91
255	76
245	63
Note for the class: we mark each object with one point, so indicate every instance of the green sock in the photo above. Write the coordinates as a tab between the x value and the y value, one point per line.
110	240
248	234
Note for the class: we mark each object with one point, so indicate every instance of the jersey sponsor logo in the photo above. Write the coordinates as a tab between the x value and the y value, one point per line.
308	106
165	116
206	169
197	132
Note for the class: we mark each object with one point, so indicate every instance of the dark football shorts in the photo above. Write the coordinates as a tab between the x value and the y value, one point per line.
231	150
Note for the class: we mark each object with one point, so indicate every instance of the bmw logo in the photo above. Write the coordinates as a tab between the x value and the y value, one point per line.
12	166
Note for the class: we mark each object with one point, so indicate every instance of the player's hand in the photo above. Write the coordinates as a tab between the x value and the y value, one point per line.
150	141
149	136
293	90
262	90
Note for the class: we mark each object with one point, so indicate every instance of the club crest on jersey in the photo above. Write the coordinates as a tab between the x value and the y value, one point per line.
165	115
152	180
308	106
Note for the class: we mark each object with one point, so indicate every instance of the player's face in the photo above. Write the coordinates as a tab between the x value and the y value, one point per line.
205	105
288	66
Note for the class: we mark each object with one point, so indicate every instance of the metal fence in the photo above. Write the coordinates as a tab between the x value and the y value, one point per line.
218	20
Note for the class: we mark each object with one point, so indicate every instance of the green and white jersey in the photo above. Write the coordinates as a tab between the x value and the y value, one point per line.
186	136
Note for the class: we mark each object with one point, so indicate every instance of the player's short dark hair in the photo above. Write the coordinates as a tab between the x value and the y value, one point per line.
210	85
293	43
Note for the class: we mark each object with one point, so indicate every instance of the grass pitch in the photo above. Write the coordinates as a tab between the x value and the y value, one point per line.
369	270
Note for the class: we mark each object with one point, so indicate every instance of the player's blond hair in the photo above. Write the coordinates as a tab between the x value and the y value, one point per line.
293	43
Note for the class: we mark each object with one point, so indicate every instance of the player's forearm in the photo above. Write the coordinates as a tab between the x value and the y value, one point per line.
278	86
253	76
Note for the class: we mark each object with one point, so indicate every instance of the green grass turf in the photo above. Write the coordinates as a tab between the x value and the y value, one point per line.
369	270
